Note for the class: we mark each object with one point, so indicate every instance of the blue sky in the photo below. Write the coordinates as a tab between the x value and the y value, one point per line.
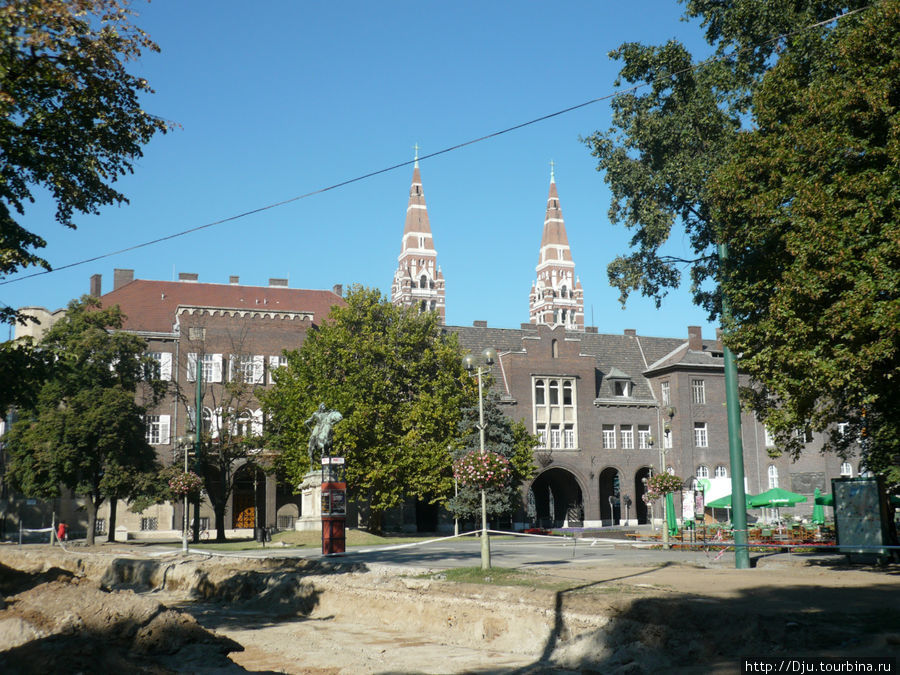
293	97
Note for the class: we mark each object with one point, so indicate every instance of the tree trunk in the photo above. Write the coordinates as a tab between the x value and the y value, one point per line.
376	521
111	534
91	507
219	511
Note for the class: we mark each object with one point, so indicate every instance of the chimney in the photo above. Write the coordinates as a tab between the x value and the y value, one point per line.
95	285
719	339
338	290
526	326
695	339
122	277
234	281
480	324
188	276
278	282
590	329
631	332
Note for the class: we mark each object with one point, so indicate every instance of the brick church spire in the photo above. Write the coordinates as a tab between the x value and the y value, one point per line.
557	298
418	280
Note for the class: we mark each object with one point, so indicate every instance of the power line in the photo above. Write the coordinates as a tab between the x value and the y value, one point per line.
452	148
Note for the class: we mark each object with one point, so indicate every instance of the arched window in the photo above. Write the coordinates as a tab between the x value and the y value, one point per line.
773	476
702	471
554	392
567	393
721	472
539	392
846	469
563	292
423	281
554	349
243	424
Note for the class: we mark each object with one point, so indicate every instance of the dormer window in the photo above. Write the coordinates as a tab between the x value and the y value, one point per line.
621	385
622	388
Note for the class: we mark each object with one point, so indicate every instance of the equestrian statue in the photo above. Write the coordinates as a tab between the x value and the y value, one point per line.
321	424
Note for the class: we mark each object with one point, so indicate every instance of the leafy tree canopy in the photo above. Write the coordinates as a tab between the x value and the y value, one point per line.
809	202
85	430
71	119
399	384
783	146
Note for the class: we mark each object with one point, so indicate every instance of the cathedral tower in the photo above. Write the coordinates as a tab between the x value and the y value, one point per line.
418	280
557	298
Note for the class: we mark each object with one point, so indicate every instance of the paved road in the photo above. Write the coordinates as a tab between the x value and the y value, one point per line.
505	552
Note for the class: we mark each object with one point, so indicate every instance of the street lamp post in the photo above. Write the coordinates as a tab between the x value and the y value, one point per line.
488	356
667	429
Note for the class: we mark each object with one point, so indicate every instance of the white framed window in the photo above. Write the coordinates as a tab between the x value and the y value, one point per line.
770	442
276	362
626	432
542	436
702	471
555	437
162	368
643	436
609	437
701	438
539	393
246	368
148	524
846	469
569	437
698	391
842	428
721	471
772	473
665	394
157	429
212	367
555	408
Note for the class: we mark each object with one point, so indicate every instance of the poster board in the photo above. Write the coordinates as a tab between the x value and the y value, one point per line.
861	518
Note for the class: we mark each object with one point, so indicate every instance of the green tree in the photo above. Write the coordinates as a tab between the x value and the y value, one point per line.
400	385
679	144
71	119
504	436
86	431
809	202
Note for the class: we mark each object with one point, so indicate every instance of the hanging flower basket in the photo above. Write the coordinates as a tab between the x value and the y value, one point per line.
489	470
186	483
662	484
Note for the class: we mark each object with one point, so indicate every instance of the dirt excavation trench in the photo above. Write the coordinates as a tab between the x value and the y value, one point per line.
119	612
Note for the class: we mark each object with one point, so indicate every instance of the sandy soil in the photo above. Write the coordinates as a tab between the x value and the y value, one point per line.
117	611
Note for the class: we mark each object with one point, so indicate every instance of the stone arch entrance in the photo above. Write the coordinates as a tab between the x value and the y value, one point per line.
641	509
558	500
248	498
610	496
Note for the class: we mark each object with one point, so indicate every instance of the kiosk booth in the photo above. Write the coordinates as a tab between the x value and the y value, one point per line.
334	506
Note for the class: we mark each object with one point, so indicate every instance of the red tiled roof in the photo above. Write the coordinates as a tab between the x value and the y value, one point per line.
150	305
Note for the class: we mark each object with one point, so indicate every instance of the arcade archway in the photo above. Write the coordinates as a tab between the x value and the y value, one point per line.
641	510
249	497
610	496
558	500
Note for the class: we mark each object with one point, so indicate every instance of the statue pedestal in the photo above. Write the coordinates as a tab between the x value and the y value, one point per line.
311	503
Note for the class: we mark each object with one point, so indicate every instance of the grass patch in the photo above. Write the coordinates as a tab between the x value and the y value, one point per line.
313	539
503	576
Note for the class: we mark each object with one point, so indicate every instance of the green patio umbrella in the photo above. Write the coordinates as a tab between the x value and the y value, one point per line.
823	500
818	514
725	502
671	521
776	498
